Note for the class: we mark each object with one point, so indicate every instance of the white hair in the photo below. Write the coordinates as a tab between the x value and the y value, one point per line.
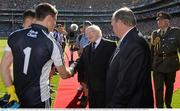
95	28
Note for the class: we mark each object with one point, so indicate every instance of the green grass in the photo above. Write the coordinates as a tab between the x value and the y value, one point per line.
55	78
176	99
55	82
2	45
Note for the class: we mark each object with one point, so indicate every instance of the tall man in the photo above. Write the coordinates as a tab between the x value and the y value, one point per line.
94	63
59	34
128	77
165	42
33	53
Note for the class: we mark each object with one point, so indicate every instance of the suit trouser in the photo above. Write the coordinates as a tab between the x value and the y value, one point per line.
96	99
159	80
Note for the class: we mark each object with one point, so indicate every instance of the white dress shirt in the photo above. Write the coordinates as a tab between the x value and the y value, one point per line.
98	42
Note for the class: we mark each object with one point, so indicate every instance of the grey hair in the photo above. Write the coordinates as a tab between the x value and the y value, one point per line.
95	28
126	15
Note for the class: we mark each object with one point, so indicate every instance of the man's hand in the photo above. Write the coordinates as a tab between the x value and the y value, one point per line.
72	69
71	73
64	72
12	93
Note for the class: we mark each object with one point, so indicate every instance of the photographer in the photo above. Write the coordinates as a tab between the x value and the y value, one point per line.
71	39
60	35
82	40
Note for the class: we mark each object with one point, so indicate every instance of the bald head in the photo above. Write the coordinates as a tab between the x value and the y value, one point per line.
93	32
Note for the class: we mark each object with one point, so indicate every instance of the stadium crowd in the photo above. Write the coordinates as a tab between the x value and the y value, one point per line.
75	5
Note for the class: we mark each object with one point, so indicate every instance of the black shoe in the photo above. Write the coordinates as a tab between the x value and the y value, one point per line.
168	106
84	101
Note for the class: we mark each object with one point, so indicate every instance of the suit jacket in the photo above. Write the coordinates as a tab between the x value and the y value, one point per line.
129	77
167	46
94	65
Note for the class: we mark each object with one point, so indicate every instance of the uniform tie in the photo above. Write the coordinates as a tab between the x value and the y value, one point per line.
162	33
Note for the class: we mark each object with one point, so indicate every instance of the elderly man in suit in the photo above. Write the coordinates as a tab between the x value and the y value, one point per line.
94	63
128	82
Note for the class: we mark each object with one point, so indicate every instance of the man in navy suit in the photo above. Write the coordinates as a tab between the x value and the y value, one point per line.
128	82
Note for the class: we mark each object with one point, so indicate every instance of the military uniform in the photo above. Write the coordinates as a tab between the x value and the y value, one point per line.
165	45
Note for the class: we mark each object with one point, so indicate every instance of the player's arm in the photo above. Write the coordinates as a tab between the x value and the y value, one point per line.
5	67
63	72
6	62
59	64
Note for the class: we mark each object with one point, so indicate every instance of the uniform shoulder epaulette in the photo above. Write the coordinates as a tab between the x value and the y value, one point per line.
175	28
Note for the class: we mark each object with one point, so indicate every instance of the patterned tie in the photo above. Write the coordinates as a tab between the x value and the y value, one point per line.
116	52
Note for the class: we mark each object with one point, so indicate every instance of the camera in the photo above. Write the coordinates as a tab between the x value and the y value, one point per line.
71	39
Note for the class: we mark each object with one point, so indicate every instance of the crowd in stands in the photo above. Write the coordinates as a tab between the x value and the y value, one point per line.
10	21
74	4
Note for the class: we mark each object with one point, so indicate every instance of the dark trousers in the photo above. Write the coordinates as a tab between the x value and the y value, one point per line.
159	80
96	99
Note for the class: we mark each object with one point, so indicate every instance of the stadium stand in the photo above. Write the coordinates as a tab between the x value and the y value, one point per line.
72	11
76	4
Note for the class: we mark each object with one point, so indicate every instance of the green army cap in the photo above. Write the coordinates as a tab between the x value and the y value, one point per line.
163	15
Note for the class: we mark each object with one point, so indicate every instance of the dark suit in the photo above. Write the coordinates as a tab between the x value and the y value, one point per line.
94	65
128	76
165	63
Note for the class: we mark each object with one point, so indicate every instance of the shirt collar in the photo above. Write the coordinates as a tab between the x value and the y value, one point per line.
165	30
124	36
98	42
38	26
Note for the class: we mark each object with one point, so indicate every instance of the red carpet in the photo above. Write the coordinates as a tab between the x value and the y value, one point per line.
67	94
177	82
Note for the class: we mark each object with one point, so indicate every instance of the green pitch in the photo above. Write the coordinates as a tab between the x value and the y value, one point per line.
55	81
2	45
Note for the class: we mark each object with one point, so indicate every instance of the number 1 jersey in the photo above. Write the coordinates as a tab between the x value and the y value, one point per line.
33	54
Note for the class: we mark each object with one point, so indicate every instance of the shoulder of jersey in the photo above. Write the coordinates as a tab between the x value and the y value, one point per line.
49	36
175	28
19	31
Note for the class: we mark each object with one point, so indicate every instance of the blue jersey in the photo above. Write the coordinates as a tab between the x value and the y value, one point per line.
33	54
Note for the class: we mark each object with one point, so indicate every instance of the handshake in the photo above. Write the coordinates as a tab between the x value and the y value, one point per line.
72	68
